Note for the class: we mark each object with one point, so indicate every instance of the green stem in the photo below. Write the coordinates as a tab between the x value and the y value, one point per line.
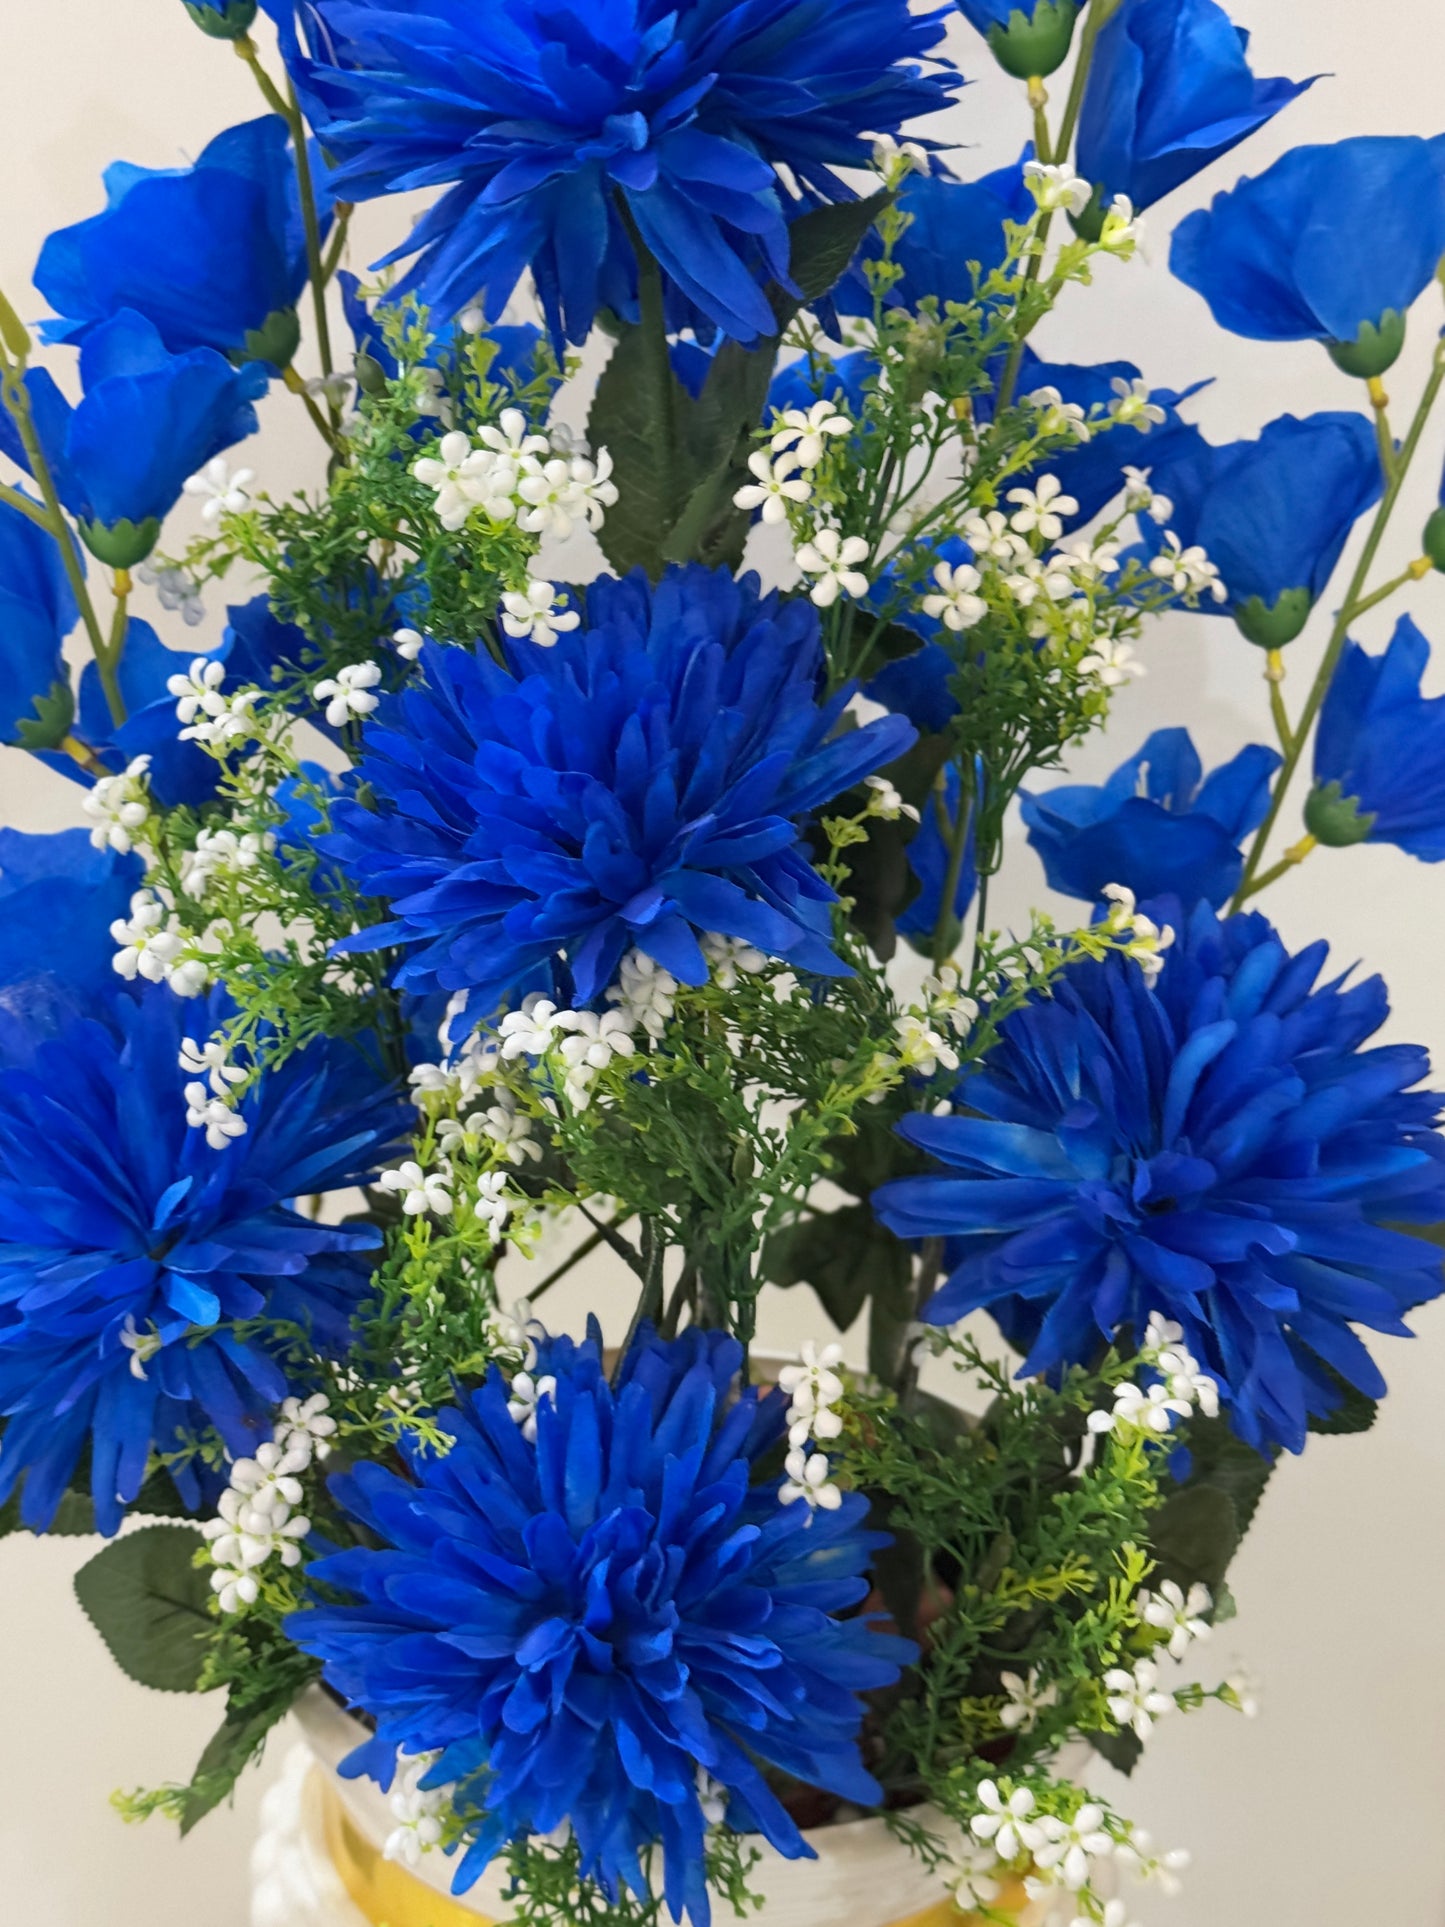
1292	858
336	247
1274	676
585	1250
324	428
1098	17
1422	566
311	222
943	930
1384	440
24	504
1355	601
16	398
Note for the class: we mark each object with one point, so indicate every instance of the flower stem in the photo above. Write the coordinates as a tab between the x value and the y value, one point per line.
1274	676
943	931
1355	601
1293	856
324	428
23	503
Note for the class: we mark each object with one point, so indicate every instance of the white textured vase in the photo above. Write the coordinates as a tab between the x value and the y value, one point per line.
318	1830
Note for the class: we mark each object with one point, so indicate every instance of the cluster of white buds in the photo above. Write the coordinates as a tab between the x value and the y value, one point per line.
532	614
1055	188
1141	499
1180	1388
831	559
348	694
730	958
222	853
500	1126
517	475
1132	406
510	1335
1135	1698
258	1519
814	1389
177	592
416	1809
591	1042
645	993
205	715
421	1192
218	490
210	1097
151	944
1189	572
948	1003
1069	1850
1148	942
1059	417
885	800
120	808
462	1074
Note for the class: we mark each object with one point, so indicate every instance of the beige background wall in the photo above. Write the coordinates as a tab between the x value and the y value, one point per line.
1328	1811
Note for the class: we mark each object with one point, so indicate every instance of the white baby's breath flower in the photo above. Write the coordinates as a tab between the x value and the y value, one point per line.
833	559
526	1394
1059	417
1026	1700
1043	510
730	958
533	613
886	801
1057	188
1178	1614
1132	407
1111	663
1008	1824
807	1479
1189	572
956	602
120	807
219	491
777	482
420	1191
347	695
922	1048
1136	1699
408	644
805	431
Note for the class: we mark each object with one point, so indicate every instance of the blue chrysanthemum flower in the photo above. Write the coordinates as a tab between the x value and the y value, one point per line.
637	783
1158	825
556	125
214	255
1272	514
1380	751
1331	244
589	1620
129	1248
1169	91
37	612
147	421
1221	1149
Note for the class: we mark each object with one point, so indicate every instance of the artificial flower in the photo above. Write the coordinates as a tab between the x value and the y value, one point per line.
1157	825
1331	244
37	612
59	895
1380	751
223	19
516	346
930	858
546	122
953	227
1221	1149
1028	37
1273	515
214	256
638	782
1169	91
130	1248
146	422
585	1620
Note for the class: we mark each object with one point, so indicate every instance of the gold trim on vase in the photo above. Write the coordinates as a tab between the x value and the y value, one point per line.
387	1894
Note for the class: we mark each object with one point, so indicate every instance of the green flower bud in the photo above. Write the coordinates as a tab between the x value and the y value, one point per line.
1374	349
1433	541
123	544
275	341
370	376
1272	628
1334	819
1036	45
226	20
1088	224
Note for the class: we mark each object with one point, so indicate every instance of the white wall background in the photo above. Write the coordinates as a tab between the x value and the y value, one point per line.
1325	1813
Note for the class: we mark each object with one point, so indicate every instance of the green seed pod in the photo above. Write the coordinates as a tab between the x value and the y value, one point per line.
1433	541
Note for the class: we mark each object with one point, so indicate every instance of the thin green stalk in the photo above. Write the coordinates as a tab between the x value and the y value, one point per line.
336	247
32	510
958	844
1419	568
1292	858
1274	676
1384	440
324	428
585	1250
311	222
1355	601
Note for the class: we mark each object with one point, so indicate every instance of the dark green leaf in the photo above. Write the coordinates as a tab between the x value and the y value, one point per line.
824	241
148	1602
1195	1534
847	1256
228	1753
1220	1458
1356	1412
1122	1750
637	413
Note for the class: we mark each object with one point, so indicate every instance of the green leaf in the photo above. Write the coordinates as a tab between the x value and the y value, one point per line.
1122	1750
228	1753
148	1602
50	725
824	241
1356	1412
637	415
1195	1534
1220	1458
846	1256
74	1517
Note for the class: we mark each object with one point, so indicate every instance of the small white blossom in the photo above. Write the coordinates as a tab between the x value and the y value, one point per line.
894	160
1042	511
1242	1692
408	644
1148	944
807	1479
513	437
1136	1699
1059	417
525	1396
1088	562
833	559
969	1873
1071	1846
347	694
1111	663
416	1810
534	614
1135	1854
1142	499
1116	1914
1179	1614
1122	230
306	1425
460	475
1182	1374
777	483
1132	407
1026	1700
990	536
1187	571
1037	578
803	431
1152	1411
529	1032
119	806
1007	1823
562	491
921	1048
222	853
730	958
221	492
1057	187
493	1204
214	1115
592	1042
421	1191
645	993
142	1345
813	1388
712	1797
885	800
956	603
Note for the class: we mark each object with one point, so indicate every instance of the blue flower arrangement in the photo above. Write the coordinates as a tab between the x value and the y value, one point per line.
585	848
